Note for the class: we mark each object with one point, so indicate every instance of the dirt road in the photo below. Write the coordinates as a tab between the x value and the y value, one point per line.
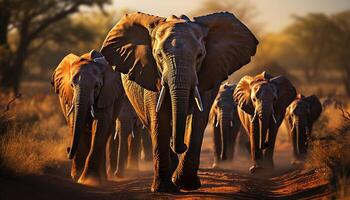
287	182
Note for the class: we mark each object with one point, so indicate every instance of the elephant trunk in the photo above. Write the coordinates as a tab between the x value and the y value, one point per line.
225	132
81	111
300	135
179	104
264	120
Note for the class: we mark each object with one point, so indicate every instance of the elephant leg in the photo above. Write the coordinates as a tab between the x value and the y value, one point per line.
162	157
217	147
146	145
80	157
112	154
256	152
95	165
268	152
124	131
135	149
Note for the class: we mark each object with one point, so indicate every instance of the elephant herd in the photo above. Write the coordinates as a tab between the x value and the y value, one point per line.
153	87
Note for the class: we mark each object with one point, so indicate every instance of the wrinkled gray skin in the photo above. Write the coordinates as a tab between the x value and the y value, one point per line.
122	153
166	64
225	123
89	92
301	115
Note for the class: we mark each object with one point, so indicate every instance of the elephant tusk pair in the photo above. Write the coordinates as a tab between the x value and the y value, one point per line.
197	98
92	111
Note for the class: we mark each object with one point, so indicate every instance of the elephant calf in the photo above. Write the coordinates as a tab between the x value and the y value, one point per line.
262	101
130	138
301	114
225	123
89	91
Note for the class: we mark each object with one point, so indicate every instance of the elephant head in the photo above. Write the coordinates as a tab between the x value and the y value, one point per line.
179	57
300	115
265	99
222	113
83	84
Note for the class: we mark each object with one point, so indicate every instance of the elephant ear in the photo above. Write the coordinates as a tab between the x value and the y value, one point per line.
241	95
128	46
229	46
61	78
286	92
315	107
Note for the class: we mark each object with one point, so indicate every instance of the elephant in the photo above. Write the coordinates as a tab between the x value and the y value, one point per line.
89	91
301	114
123	153
225	123
262	101
169	66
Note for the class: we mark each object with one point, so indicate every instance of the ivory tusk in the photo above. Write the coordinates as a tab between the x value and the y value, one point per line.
198	99
92	111
115	135
161	98
254	116
70	110
273	116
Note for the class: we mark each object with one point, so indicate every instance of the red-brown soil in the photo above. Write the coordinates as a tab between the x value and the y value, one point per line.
235	182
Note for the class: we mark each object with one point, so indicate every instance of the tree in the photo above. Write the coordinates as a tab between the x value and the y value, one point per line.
310	35
323	41
340	45
23	24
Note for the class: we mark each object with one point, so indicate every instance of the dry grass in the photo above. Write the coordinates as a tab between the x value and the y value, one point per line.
330	150
33	135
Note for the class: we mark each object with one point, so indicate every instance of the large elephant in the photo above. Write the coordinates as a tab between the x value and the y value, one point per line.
170	65
225	123
301	114
262	102
130	138
89	91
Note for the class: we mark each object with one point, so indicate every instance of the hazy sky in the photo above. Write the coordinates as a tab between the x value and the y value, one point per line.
273	14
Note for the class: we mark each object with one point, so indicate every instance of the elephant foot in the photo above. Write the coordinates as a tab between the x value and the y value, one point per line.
255	169
75	176
119	174
90	180
186	182
215	166
164	186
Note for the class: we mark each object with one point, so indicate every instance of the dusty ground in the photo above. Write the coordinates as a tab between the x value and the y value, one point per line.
287	182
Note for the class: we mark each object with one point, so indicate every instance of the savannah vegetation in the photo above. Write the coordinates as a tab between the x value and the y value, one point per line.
35	35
